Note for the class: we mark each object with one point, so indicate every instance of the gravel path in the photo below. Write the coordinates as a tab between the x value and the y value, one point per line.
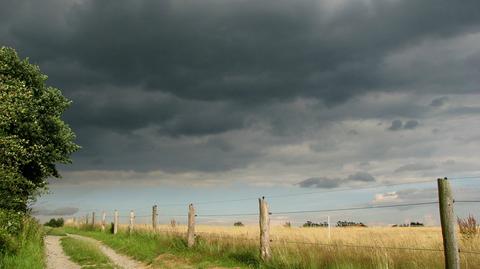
56	258
120	260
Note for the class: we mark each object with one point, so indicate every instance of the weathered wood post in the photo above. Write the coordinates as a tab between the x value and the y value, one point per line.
329	229
115	222
447	218
154	218
104	216
86	219
191	226
130	225
264	220
93	219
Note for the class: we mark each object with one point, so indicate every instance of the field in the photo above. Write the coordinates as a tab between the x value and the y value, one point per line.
293	247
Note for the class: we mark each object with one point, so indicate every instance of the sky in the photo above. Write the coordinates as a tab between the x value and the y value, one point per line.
212	100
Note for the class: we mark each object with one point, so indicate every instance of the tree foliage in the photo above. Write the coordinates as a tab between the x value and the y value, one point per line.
33	137
53	222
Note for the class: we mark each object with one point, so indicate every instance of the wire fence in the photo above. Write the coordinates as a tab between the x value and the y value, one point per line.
131	218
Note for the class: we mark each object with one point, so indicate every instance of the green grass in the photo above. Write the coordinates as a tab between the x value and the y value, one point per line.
86	254
146	247
30	252
54	231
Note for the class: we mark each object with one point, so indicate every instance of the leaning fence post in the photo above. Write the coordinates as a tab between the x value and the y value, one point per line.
115	222
130	226
154	217
104	216
447	219
264	220
93	219
191	226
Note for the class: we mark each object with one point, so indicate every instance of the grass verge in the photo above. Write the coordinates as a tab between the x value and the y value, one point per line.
86	254
170	251
29	250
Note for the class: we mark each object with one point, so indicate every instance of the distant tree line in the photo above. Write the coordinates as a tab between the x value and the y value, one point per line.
314	224
350	224
338	224
54	223
411	224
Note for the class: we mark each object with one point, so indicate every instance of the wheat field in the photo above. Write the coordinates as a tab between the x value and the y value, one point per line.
352	247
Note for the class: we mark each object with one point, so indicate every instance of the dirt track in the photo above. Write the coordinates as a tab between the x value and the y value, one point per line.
119	260
56	258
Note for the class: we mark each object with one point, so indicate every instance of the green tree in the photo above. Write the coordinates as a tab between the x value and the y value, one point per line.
33	137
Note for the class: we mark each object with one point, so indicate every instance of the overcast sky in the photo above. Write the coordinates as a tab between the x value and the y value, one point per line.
234	98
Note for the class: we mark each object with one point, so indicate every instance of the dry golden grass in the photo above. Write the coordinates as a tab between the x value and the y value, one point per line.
355	247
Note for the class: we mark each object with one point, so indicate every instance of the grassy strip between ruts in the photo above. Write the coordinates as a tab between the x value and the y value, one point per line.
86	254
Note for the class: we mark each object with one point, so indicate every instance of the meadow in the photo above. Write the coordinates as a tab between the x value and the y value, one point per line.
292	247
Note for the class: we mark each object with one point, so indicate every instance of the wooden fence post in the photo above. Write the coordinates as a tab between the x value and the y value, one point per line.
104	216
93	219
115	222
329	229
191	226
264	220
447	218
130	226
154	217
86	219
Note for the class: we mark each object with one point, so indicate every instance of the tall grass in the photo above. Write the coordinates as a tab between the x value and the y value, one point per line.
295	247
28	251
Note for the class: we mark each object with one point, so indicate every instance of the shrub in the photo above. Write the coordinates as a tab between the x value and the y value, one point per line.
10	228
55	223
238	224
468	227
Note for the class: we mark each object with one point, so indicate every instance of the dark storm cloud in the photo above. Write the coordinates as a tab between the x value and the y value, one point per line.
237	50
140	71
329	183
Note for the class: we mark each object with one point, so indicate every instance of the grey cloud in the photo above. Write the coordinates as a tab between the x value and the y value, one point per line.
411	195
415	167
396	125
320	182
440	101
352	132
61	211
329	183
361	176
410	125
